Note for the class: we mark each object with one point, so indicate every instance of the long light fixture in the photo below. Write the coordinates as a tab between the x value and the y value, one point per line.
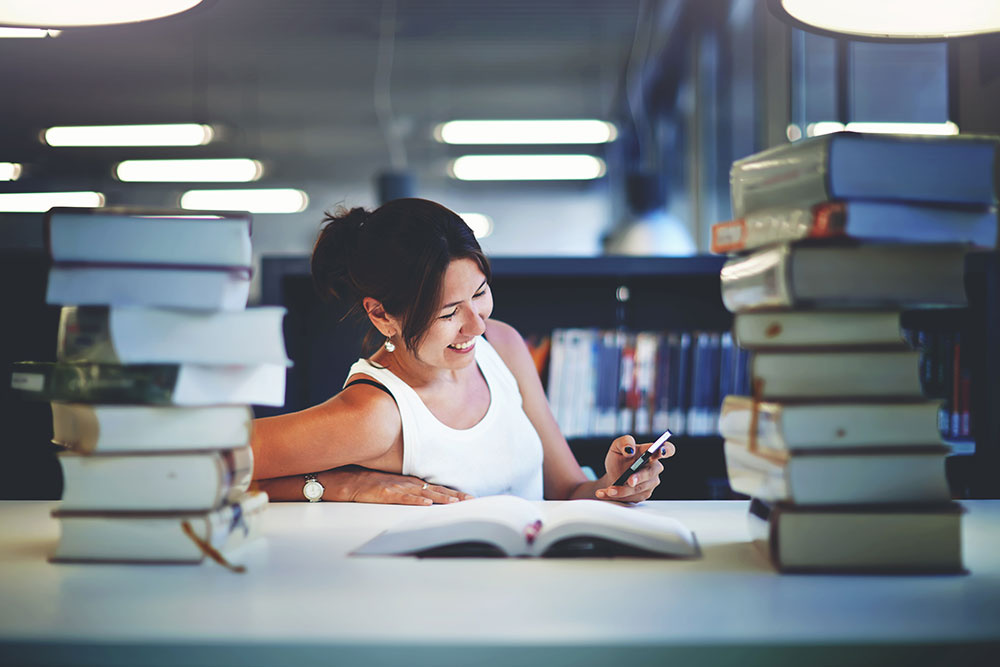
480	224
73	13
527	168
224	170
10	171
168	134
487	132
264	200
39	202
27	33
891	19
947	128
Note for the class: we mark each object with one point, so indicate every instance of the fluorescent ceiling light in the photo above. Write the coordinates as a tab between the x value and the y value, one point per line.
73	13
481	225
526	132
947	128
941	129
27	33
892	19
9	171
272	200
526	168
39	202
173	134
227	170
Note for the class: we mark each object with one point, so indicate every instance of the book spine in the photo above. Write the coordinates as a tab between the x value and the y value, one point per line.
757	280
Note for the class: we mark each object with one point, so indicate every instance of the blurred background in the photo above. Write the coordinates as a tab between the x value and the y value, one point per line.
330	95
330	103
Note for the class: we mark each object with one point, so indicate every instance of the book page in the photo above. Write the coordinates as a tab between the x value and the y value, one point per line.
625	525
501	521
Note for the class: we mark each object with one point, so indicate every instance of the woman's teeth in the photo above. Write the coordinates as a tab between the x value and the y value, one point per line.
461	346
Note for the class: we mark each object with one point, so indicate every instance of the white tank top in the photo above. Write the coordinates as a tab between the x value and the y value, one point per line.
500	454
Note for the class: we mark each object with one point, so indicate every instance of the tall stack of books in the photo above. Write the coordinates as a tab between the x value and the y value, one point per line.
158	361
837	445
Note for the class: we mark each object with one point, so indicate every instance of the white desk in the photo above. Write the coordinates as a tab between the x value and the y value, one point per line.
303	602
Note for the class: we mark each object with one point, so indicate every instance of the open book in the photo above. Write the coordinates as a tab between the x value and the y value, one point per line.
512	526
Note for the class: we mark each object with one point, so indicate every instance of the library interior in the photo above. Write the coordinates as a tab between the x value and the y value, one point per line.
769	227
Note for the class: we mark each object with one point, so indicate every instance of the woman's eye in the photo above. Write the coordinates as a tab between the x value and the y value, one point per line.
449	315
478	294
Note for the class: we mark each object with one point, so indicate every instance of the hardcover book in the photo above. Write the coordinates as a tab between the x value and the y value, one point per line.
109	235
512	526
796	426
837	374
846	165
862	220
135	335
89	428
818	328
176	481
839	477
146	285
159	537
845	275
154	384
896	539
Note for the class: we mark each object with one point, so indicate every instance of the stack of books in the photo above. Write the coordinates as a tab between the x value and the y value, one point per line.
836	443
158	361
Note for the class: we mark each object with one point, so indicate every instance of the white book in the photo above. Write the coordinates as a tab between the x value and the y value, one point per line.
95	428
159	537
167	482
137	335
107	235
796	426
839	477
123	285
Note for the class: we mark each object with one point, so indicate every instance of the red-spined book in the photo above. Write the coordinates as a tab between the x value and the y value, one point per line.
865	220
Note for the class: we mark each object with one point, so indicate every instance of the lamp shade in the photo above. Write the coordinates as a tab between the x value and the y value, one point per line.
75	14
891	20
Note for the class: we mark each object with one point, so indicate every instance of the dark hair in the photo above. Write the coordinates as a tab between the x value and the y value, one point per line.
396	254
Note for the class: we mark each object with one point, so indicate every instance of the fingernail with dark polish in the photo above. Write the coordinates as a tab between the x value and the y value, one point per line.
629	450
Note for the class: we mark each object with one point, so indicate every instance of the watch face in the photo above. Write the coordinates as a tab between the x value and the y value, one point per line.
313	490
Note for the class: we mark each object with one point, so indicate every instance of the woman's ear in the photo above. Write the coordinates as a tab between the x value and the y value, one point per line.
381	320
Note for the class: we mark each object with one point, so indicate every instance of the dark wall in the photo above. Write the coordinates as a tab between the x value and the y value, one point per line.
27	333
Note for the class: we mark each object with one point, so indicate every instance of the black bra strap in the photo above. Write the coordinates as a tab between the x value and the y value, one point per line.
371	382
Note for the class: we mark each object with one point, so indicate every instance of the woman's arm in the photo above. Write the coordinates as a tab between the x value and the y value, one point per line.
362	485
564	479
360	425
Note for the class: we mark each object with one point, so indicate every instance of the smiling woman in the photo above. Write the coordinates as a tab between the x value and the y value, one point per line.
448	404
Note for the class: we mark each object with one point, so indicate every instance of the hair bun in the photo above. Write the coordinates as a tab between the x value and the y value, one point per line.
335	247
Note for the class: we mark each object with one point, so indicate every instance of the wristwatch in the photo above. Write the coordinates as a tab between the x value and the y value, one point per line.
312	489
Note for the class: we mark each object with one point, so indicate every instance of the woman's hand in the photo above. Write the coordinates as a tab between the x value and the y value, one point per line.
363	485
641	483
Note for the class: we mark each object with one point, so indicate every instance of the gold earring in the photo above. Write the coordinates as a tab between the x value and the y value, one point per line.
389	345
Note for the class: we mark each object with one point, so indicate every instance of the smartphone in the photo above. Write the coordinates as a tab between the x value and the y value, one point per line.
644	459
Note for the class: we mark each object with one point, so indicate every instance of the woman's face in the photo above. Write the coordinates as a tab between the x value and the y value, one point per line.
465	305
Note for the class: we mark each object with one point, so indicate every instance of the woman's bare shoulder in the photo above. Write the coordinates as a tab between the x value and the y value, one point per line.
509	344
371	408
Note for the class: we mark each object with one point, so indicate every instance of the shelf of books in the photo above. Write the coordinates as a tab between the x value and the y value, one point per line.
855	279
157	363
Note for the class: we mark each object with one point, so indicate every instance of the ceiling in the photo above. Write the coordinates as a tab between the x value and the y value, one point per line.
294	83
